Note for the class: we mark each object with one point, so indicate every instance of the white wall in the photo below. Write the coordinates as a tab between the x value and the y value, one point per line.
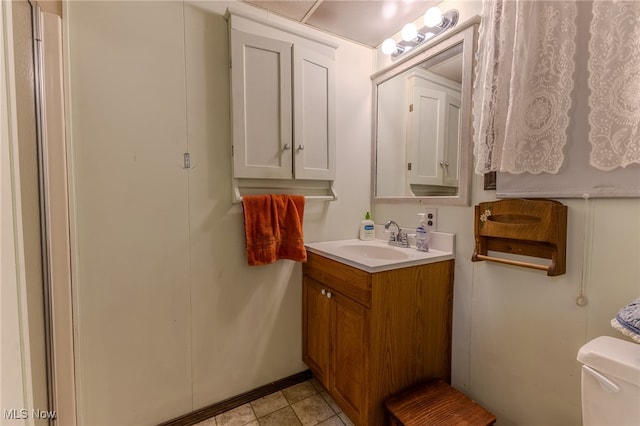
169	318
516	331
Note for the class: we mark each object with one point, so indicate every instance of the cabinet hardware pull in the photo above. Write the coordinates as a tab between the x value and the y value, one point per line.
323	291
442	164
329	295
287	147
301	147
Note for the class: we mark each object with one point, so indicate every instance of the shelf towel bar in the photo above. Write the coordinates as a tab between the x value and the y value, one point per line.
513	262
332	196
534	228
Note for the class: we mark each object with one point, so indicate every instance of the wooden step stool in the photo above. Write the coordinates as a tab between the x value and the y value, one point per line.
436	403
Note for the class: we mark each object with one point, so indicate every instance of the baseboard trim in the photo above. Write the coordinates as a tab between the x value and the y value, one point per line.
236	401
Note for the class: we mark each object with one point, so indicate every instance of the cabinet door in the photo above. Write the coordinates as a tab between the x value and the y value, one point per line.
427	136
314	115
452	141
350	348
261	114
316	308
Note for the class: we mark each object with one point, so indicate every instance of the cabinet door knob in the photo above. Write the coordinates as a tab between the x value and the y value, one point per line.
446	164
329	295
442	164
300	147
323	291
287	147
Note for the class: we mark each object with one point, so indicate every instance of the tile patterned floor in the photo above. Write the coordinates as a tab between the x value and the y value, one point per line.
306	404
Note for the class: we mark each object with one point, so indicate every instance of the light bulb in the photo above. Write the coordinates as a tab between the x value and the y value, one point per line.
432	17
409	32
389	46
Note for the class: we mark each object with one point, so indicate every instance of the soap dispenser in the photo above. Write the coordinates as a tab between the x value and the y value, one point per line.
367	228
422	236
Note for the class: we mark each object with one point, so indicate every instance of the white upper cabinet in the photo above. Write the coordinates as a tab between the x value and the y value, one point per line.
261	100
283	104
452	141
434	134
314	121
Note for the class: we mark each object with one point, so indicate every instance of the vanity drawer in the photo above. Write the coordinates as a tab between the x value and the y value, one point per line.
349	281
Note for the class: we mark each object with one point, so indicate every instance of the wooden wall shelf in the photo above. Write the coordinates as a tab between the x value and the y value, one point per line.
535	228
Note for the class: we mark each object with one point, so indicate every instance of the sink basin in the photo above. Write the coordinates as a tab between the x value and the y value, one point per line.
371	251
378	255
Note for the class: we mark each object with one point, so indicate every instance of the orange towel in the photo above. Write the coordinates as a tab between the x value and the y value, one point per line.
273	228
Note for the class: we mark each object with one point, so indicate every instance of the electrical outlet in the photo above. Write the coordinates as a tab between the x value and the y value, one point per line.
432	219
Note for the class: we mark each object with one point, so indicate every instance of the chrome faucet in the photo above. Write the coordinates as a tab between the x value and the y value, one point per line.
399	239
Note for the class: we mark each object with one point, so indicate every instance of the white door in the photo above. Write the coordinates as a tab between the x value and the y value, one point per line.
130	212
261	113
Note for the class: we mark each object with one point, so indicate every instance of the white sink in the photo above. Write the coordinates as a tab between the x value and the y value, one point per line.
371	251
378	255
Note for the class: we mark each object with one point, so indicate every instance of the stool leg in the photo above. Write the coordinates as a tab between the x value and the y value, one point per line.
393	421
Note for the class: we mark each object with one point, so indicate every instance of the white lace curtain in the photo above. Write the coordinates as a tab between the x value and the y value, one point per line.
524	81
614	82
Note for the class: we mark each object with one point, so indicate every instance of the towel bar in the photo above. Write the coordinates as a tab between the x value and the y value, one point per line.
237	197
513	262
535	228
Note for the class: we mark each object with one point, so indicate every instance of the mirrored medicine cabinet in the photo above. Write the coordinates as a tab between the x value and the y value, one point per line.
422	126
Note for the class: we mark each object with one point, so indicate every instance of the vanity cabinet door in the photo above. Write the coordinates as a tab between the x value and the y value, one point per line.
335	344
349	356
316	332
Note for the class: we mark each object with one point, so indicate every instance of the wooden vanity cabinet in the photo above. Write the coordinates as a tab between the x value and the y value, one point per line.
369	335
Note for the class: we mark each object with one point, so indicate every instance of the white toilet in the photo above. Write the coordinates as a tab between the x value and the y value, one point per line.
610	382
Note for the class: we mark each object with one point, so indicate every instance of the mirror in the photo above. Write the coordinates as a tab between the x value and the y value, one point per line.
422	123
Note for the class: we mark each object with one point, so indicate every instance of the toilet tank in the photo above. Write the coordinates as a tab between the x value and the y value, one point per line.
610	382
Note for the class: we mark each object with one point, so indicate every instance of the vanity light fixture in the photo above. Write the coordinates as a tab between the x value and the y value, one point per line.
410	33
435	22
390	47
